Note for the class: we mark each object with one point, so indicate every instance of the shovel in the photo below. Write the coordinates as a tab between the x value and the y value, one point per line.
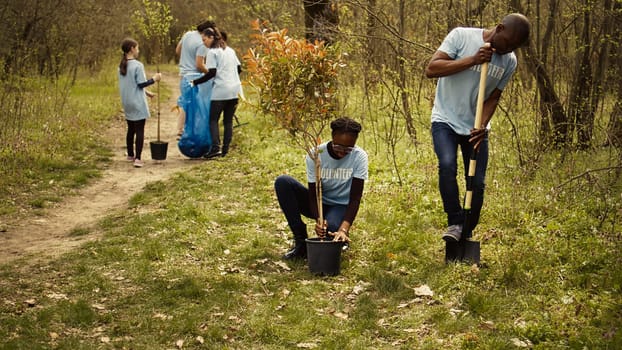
467	249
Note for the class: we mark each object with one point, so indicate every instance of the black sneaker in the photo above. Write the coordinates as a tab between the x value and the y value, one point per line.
453	233
296	253
212	155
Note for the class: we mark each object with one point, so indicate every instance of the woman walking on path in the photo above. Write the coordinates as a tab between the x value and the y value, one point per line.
132	84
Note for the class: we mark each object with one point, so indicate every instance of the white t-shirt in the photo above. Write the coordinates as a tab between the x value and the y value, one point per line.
456	94
337	174
227	81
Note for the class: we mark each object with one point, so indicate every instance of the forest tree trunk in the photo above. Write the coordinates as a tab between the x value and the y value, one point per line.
321	20
581	108
554	126
401	56
614	129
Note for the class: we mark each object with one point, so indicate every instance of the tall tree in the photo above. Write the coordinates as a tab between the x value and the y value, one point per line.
614	129
321	20
581	108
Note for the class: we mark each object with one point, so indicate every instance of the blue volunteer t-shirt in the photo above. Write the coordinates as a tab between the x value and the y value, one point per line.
456	94
191	42
133	98
337	174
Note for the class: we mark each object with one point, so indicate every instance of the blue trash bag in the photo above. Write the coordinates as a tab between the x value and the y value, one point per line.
196	139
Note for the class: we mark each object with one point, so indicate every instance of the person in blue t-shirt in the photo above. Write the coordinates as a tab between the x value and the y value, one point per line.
132	84
191	64
344	168
457	64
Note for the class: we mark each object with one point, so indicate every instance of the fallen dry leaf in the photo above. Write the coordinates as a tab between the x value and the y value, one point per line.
282	265
341	315
424	291
98	307
104	340
489	325
360	287
306	345
57	296
162	316
519	343
455	311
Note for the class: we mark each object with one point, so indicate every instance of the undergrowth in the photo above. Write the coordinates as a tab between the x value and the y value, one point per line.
195	262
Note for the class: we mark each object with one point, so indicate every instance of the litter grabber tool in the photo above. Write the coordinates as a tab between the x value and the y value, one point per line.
467	249
237	122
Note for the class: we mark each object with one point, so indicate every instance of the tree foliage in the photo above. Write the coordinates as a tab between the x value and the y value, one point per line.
154	21
297	83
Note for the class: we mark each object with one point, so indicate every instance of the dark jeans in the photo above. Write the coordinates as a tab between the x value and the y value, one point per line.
294	201
227	108
446	143
135	128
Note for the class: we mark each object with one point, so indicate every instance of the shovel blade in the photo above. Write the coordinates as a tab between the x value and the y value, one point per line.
462	251
471	252
454	251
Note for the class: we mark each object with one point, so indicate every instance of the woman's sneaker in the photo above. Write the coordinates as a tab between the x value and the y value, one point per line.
130	159
213	154
453	233
138	163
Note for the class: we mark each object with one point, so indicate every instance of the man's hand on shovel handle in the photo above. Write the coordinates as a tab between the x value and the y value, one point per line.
477	136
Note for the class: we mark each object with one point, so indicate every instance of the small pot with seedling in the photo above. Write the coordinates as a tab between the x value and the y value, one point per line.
296	81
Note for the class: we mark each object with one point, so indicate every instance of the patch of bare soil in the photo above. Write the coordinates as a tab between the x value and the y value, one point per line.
49	235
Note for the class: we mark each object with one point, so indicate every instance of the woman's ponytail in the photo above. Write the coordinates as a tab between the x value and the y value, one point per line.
126	47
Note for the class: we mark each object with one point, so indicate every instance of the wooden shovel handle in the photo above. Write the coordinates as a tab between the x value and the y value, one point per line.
478	124
480	96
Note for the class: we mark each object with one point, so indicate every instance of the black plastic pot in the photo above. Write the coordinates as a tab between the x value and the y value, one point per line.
324	256
158	150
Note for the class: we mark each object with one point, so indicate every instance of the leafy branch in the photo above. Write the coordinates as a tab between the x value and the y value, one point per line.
154	20
297	83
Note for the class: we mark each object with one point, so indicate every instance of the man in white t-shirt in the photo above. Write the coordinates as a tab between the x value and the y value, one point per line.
457	64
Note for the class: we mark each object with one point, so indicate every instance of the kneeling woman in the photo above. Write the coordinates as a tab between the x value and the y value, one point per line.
344	171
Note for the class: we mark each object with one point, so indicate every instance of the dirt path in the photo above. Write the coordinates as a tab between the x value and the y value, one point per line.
48	235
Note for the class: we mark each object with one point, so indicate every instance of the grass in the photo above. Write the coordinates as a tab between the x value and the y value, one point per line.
195	263
56	147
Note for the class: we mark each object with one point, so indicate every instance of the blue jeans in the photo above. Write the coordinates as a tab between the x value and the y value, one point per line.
446	143
294	201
